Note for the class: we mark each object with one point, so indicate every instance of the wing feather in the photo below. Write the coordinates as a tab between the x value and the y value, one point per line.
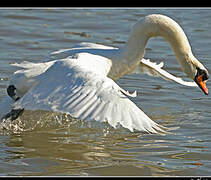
69	87
153	69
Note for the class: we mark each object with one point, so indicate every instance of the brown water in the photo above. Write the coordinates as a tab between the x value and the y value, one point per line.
49	144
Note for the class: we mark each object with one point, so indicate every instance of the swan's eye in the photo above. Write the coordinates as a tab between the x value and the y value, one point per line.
206	75
203	72
201	77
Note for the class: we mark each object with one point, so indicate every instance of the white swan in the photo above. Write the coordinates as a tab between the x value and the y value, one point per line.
81	82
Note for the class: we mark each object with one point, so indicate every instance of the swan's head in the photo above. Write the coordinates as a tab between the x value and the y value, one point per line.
199	74
200	78
195	70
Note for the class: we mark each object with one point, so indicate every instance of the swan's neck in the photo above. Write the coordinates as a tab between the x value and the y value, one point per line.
152	26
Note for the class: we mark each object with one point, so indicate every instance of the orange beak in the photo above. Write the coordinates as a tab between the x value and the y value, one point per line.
202	83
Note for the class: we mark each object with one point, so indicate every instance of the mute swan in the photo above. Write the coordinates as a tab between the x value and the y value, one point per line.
81	83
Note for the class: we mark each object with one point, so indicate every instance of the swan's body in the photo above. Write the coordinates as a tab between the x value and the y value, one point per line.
81	82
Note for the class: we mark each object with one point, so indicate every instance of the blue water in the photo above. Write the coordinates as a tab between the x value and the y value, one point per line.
48	144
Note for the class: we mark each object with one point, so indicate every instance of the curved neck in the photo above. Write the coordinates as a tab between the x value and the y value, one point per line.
152	26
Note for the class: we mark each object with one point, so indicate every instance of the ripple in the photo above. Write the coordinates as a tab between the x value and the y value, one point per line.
22	17
82	34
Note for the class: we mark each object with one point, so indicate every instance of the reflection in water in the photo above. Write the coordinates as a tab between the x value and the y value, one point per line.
67	146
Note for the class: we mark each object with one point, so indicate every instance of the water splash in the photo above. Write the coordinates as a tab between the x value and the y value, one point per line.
46	120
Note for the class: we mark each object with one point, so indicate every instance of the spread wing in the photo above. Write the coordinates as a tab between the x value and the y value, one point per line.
150	68
81	88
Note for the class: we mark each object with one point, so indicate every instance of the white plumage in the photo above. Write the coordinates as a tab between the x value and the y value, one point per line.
83	90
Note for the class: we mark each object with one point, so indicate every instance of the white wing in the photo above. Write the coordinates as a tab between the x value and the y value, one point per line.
81	88
83	46
92	48
26	78
153	69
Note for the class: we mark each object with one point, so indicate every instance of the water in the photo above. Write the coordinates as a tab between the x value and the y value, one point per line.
46	144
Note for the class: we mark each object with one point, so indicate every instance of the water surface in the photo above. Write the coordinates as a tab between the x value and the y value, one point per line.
48	144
